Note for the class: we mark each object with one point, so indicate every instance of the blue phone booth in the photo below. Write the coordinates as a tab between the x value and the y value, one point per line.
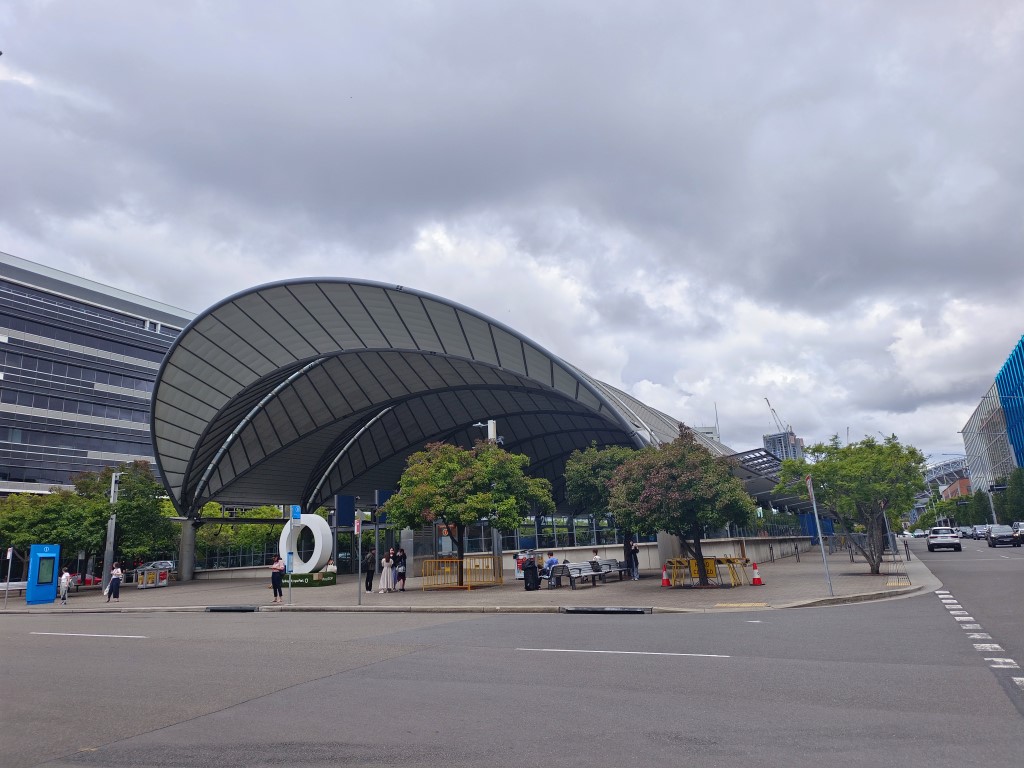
42	574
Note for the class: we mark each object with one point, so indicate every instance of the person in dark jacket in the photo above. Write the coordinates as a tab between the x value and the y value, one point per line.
369	567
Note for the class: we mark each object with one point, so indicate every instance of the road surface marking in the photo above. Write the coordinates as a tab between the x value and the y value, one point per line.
988	647
979	636
951	613
970	626
625	653
963	618
81	634
1019	681
1003	663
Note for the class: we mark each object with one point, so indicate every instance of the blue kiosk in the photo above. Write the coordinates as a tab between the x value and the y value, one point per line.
42	574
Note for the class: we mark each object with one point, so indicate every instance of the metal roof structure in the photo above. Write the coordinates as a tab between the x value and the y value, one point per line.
292	392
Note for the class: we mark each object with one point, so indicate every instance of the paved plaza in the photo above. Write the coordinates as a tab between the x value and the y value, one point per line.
787	584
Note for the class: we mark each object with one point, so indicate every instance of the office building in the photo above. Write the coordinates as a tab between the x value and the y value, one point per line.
77	364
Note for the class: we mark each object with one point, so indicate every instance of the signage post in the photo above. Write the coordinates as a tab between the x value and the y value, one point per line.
357	529
821	543
7	588
295	522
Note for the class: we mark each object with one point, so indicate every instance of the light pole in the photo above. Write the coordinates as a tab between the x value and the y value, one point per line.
108	552
494	439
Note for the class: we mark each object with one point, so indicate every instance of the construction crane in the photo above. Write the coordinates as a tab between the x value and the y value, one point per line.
778	421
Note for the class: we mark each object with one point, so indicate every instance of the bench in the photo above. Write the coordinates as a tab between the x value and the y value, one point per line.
614	566
575	572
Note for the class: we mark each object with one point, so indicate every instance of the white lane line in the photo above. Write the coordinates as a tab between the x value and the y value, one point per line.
989	647
951	613
979	636
80	634
625	653
1002	663
753	621
1019	682
970	626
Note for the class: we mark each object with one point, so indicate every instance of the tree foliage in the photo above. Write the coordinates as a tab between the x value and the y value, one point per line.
78	520
588	475
859	484
460	487
680	488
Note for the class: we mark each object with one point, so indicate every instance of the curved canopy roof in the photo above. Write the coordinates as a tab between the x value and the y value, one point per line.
292	392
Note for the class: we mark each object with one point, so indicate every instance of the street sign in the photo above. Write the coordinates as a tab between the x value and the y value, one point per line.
296	511
359	527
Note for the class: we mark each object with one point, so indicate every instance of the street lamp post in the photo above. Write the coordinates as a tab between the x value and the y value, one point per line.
108	552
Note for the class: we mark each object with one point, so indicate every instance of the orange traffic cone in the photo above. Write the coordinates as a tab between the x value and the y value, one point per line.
757	578
664	577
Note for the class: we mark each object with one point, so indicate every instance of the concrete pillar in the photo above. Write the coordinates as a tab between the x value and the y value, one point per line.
187	552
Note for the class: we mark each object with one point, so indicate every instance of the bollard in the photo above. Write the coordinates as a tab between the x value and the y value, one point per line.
771	554
906	546
796	551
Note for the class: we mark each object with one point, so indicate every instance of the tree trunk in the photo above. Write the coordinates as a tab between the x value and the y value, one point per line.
460	548
697	552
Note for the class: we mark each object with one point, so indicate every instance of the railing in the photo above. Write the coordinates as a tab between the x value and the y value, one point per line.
477	571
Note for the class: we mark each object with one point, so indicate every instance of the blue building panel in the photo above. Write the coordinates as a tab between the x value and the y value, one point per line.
1010	385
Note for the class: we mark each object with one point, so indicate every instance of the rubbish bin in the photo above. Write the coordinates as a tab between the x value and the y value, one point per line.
531	575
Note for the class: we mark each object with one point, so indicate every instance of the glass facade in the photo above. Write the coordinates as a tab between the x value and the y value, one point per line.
76	375
1010	384
986	443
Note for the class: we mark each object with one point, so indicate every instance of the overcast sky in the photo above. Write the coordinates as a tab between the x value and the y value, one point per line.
704	203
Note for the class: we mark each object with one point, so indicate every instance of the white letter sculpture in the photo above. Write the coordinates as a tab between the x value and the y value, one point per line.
321	539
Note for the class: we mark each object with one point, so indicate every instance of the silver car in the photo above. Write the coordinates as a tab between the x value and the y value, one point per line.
943	538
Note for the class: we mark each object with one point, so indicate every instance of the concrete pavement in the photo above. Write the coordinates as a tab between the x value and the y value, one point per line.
787	584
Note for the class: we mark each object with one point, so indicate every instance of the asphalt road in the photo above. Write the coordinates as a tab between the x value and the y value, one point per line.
888	683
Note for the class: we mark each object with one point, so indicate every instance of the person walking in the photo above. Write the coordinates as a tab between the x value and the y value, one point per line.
114	587
65	586
369	568
387	576
276	569
401	564
634	560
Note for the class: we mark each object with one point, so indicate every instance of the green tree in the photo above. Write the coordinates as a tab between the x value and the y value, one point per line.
588	475
680	488
1011	508
142	527
459	487
860	484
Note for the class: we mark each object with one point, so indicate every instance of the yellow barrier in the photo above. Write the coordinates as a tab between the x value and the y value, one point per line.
477	571
686	569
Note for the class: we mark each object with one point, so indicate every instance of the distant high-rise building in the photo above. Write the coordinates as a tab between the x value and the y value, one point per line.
77	364
785	445
994	433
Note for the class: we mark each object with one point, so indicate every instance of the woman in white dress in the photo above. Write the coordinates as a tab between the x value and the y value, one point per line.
387	576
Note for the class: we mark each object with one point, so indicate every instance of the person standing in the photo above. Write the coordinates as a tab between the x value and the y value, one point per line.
387	575
65	586
401	563
114	587
369	568
330	567
634	560
276	569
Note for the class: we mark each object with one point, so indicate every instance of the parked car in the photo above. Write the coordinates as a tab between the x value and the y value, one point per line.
943	538
1002	534
966	531
979	532
88	579
919	534
160	565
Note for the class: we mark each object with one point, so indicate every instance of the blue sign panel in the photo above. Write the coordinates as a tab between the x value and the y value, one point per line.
42	574
346	510
296	511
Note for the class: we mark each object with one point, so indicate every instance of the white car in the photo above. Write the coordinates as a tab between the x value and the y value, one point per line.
943	538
